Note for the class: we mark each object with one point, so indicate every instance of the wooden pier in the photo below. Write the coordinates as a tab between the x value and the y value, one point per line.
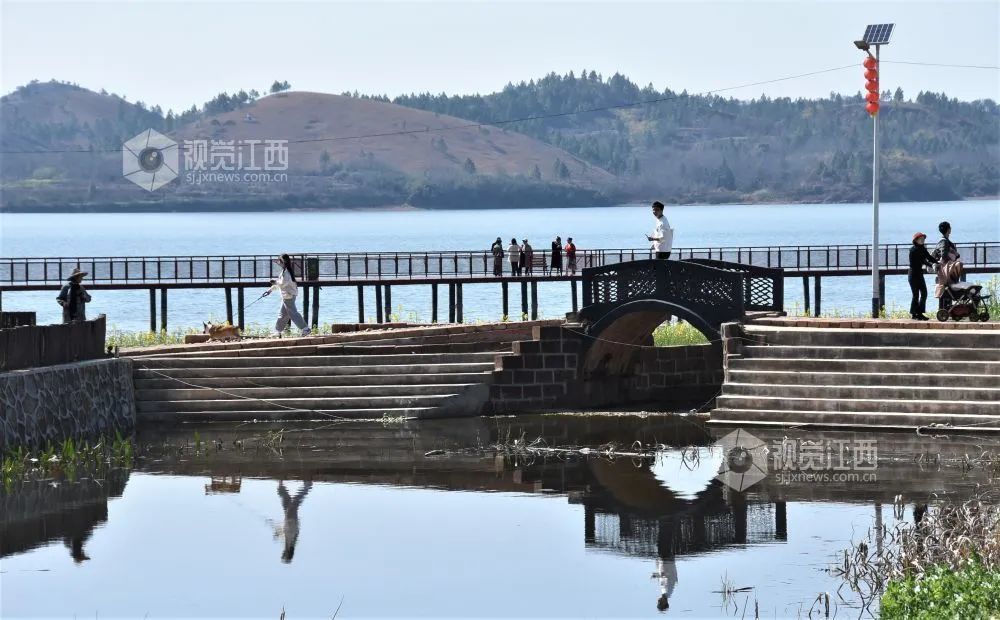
452	269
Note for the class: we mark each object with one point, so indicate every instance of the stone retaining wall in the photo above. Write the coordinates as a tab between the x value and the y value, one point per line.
557	370
81	401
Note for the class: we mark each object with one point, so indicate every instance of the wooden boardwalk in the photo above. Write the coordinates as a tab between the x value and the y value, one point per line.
452	269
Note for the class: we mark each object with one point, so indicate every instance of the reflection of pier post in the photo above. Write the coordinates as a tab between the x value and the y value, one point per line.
878	526
589	524
739	503
780	521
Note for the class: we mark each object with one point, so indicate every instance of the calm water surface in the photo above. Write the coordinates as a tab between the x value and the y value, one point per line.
359	514
615	227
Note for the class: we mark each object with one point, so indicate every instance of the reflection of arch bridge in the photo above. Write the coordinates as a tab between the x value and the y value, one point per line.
624	302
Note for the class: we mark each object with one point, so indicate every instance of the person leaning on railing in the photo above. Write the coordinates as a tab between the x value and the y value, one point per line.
74	298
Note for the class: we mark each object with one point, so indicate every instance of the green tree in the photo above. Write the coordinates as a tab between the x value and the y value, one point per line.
278	87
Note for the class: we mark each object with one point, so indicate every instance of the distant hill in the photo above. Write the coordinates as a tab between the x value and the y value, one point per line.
59	115
686	149
424	167
693	148
303	116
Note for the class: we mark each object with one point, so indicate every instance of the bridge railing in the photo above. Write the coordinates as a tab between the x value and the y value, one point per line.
348	266
715	295
834	258
763	287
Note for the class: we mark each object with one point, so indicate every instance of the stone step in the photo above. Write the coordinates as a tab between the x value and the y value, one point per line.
886	391
411	348
322	405
874	405
314	360
928	380
273	393
313	349
872	353
139	371
949	338
246	415
868	366
853	419
160	383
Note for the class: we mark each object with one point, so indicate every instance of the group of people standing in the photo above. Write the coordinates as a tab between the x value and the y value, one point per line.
945	261
522	257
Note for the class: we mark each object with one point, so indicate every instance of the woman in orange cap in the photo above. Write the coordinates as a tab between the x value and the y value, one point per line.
919	257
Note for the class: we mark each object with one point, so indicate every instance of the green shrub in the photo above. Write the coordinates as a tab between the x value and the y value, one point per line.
677	334
972	592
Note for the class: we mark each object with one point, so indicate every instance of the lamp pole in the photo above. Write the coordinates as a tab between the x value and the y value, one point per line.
876	296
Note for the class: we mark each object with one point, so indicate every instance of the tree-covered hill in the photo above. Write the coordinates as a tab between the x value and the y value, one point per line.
711	148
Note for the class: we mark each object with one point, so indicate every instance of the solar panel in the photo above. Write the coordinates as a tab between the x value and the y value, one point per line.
878	34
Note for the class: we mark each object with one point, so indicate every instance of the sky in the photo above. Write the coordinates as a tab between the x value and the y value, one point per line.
176	54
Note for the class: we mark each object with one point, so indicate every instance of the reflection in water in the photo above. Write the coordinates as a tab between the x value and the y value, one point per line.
38	512
666	573
669	513
290	530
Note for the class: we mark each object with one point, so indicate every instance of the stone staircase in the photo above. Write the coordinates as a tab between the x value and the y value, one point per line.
868	378
414	373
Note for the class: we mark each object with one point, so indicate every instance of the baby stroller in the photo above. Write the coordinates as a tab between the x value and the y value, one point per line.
963	300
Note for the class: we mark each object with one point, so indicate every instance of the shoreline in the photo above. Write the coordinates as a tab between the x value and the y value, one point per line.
159	208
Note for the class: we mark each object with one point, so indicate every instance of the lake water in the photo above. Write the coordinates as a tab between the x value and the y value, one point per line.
359	516
614	227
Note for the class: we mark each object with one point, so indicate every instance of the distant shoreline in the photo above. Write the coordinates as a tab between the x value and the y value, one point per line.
264	208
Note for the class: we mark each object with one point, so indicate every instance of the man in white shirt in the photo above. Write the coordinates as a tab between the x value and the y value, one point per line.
663	234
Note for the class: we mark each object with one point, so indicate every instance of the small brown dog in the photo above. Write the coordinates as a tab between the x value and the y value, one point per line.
222	332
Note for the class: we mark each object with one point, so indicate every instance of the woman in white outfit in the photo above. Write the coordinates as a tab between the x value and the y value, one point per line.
289	289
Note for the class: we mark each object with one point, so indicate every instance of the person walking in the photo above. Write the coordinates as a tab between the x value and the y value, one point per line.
514	254
527	257
556	264
663	235
570	256
74	298
497	250
946	254
919	258
287	285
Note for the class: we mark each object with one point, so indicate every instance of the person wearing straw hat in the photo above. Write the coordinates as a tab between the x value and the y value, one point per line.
919	258
74	298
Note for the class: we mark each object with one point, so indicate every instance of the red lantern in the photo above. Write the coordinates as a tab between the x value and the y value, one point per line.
872	108
872	97
870	63
871	86
871	74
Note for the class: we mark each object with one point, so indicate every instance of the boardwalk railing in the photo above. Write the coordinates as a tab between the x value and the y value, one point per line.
46	345
194	271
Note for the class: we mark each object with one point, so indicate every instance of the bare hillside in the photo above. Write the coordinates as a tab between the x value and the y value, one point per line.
303	116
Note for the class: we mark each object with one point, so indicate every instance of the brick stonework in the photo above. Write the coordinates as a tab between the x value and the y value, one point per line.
550	372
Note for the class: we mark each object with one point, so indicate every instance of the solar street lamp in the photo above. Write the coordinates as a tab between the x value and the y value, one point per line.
876	35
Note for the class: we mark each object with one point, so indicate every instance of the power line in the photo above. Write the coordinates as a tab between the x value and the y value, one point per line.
938	64
475	125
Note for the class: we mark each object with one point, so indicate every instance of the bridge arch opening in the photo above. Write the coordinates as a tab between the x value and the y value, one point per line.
620	336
